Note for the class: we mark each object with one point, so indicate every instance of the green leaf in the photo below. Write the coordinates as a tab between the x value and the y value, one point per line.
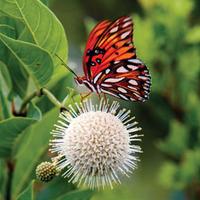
193	35
3	105
27	194
77	195
42	26
35	144
37	62
34	112
168	174
55	188
5	75
2	178
176	142
189	169
9	130
5	89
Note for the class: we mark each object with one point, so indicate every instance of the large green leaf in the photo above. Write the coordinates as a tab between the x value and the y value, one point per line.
34	145
176	142
5	75
34	112
27	194
42	26
9	130
2	178
55	188
5	87
36	61
77	195
13	28
4	110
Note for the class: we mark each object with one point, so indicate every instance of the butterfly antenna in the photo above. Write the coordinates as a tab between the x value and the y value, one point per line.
63	63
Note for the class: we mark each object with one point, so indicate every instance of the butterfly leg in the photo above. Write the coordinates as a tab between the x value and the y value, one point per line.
83	97
105	98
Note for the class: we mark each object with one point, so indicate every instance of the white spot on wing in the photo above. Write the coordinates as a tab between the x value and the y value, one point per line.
125	34
127	19
106	85
122	90
123	97
97	77
135	61
126	24
113	30
108	92
143	77
107	71
133	88
116	62
132	99
133	82
121	70
114	80
133	67
137	95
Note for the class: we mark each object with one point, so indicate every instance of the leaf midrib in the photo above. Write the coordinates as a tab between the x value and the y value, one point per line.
32	76
26	22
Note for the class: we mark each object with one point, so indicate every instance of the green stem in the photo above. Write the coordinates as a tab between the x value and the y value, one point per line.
51	97
42	91
28	99
10	168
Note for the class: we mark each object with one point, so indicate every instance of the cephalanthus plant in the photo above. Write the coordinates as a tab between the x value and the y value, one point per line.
94	145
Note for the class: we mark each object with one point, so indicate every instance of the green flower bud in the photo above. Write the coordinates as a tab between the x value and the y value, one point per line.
46	171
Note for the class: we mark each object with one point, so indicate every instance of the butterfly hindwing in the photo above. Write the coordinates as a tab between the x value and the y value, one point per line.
128	80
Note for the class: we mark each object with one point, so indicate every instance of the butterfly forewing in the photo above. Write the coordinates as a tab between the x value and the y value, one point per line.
110	61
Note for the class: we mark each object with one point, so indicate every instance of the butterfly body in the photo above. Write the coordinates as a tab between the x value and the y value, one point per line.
110	63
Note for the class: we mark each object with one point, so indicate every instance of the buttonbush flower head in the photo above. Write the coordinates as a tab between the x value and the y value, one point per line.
94	144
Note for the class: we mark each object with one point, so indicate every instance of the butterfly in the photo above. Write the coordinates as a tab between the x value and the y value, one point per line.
110	63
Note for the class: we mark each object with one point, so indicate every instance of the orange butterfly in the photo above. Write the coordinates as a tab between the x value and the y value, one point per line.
110	63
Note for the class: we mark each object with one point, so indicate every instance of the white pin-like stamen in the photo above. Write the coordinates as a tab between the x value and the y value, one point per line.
84	136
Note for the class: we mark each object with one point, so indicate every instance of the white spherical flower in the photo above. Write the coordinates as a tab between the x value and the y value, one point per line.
95	144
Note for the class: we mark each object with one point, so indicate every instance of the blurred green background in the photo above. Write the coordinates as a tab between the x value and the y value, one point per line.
167	38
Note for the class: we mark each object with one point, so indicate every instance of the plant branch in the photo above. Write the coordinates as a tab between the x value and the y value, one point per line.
28	99
10	169
38	93
51	97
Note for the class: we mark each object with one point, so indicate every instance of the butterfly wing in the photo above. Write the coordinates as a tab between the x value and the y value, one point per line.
129	79
112	64
94	36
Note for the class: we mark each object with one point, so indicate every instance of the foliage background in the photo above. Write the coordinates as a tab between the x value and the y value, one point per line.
167	37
